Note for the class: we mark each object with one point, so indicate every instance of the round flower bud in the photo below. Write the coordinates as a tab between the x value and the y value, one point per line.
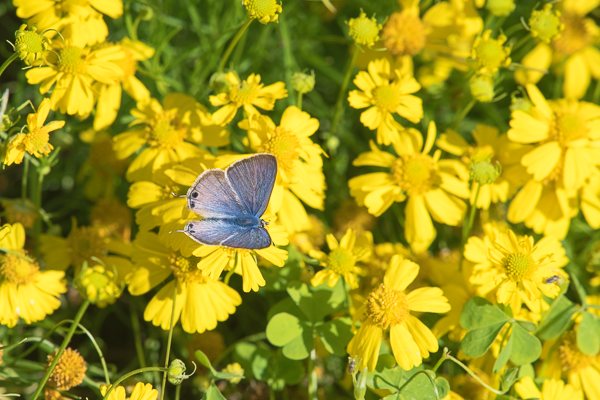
69	371
31	46
364	30
545	24
500	8
99	285
484	172
303	83
489	53
264	11
176	372
482	88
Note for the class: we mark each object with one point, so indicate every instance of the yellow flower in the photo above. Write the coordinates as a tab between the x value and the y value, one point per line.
35	141
141	391
500	8
343	257
244	262
102	286
364	30
299	163
386	92
109	94
490	54
389	307
80	21
516	269
545	24
71	74
163	132
566	154
590	201
494	148
552	389
69	371
200	301
249	94
31	46
432	188
264	11
26	292
20	210
404	33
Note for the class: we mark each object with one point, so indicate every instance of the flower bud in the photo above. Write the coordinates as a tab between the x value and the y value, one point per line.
364	30
303	83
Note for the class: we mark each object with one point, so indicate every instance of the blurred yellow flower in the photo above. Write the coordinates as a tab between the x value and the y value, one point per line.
432	188
389	307
516	269
299	162
385	92
163	132
247	94
71	74
343	258
552	389
404	33
26	291
35	140
141	391
364	30
80	21
200	301
31	46
490	54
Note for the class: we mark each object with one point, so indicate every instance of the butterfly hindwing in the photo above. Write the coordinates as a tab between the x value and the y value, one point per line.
252	179
212	197
225	232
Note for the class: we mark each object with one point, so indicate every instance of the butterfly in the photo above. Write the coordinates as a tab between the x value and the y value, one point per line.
232	202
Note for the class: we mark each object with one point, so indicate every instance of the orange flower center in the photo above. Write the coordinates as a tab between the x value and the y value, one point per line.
386	307
17	268
387	97
415	174
71	60
404	33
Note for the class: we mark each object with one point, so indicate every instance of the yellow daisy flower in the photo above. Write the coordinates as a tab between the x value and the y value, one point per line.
405	33
200	301
552	389
432	188
566	154
343	257
590	201
265	11
71	74
299	162
247	94
389	307
516	269
109	95
385	92
364	30
490	54
244	262
494	148
35	141
141	391
80	21
26	292
163	132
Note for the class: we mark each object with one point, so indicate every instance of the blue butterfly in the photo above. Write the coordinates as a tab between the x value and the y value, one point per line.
232	203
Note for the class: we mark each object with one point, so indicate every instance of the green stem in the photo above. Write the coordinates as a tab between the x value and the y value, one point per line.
61	349
313	383
459	117
337	114
474	375
35	188
348	298
177	392
299	101
129	375
7	62
441	360
288	57
24	181
168	351
137	337
233	43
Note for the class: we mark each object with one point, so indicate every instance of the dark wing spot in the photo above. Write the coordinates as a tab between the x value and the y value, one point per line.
194	194
192	204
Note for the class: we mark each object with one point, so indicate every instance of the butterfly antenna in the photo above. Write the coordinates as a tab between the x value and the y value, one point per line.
177	195
177	230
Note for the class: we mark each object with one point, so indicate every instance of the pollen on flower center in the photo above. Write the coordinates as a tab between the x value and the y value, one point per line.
341	261
285	147
386	307
70	59
245	94
36	140
415	174
185	271
577	34
517	265
29	42
571	359
69	371
164	131
387	98
404	34
17	269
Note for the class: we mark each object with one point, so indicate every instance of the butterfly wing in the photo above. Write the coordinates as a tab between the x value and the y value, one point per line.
252	179
225	232
212	196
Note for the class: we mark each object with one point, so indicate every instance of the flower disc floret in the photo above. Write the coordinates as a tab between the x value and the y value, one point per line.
404	33
264	11
386	307
364	30
545	24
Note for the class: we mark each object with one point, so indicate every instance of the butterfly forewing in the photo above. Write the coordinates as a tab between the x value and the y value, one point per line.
211	196
252	179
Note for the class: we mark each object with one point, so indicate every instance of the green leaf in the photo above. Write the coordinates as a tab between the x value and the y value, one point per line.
283	328
526	347
316	303
212	393
588	337
300	347
503	356
335	335
476	342
443	387
480	313
557	320
509	377
203	359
